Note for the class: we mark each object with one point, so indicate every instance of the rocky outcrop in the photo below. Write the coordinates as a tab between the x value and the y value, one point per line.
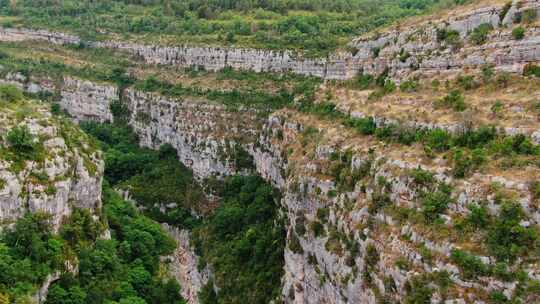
421	50
64	171
16	34
41	295
86	100
206	135
337	66
341	248
330	266
183	265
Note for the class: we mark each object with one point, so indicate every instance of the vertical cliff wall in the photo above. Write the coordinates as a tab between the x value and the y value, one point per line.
183	265
63	171
347	242
207	135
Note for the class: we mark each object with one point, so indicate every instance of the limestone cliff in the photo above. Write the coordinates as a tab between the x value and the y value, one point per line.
330	264
183	265
357	232
62	172
421	49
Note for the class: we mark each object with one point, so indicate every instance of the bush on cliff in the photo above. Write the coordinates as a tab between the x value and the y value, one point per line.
10	93
518	33
480	34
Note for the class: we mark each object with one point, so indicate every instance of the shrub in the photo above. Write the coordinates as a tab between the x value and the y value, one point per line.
372	256
365	126
378	201
518	33
476	138
55	109
381	79
375	51
435	203
507	239
487	72
389	86
479	216
403	264
450	37
503	80
531	70
404	55
501	271
535	190
410	85
294	244
422	177
529	15
479	34
120	77
454	100
364	81
21	140
497	297
418	290
426	253
467	82
10	93
505	10
322	214
438	139
242	159
150	84
471	266
497	108
317	228
230	37
464	163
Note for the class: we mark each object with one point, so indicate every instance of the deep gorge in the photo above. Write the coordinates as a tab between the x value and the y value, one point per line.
405	173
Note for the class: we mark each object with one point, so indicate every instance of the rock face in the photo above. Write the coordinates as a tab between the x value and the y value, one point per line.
403	53
334	265
343	245
14	34
87	100
65	173
337	66
207	136
183	265
331	267
41	294
422	50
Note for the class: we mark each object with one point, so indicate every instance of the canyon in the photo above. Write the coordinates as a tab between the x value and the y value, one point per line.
340	247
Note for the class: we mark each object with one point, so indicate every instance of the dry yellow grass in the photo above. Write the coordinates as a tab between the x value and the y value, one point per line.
518	102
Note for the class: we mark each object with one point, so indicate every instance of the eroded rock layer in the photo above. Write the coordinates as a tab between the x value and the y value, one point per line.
62	171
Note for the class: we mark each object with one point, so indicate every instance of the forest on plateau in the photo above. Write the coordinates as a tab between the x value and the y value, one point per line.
315	27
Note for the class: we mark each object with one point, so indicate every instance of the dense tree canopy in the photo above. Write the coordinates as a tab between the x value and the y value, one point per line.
314	26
